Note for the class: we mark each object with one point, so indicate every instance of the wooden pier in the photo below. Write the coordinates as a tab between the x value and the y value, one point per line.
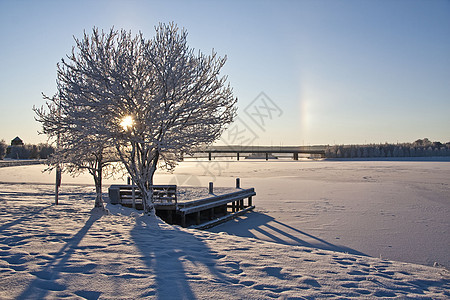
199	213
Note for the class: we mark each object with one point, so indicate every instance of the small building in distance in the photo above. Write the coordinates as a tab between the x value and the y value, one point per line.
17	149
17	141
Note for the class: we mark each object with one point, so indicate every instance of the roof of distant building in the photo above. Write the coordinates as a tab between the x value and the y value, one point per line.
17	141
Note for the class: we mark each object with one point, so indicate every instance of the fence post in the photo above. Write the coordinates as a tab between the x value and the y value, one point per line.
133	196
211	188
238	183
197	219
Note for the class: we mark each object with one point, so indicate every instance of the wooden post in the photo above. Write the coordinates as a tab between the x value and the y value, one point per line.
233	207
209	155
197	221
250	201
295	155
211	188
237	155
58	167
57	184
133	197
183	220
241	204
169	216
238	183
267	155
128	180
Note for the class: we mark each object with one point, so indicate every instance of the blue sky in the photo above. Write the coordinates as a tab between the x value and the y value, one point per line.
338	71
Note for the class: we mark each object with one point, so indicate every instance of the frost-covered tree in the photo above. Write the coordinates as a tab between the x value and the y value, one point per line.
153	99
94	158
45	151
78	149
3	147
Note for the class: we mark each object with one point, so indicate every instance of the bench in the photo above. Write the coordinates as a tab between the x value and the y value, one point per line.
131	195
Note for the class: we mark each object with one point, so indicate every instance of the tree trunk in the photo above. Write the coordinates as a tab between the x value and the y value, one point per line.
147	195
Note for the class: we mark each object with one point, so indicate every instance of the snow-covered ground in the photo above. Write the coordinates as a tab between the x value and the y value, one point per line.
367	212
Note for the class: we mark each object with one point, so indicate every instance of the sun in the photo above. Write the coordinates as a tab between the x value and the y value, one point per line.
127	122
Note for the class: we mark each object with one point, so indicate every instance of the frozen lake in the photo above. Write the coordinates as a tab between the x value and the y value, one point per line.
397	210
393	210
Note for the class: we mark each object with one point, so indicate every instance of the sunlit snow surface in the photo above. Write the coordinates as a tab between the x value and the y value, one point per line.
396	210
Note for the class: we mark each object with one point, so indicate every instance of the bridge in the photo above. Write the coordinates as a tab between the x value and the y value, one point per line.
237	150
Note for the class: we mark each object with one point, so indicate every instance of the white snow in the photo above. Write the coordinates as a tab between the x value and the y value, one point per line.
396	210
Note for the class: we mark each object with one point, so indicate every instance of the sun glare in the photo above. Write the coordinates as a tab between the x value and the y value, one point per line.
127	122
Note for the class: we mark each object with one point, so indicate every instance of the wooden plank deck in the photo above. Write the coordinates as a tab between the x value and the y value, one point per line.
199	213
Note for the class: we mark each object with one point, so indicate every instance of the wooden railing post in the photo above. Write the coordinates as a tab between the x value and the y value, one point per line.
133	196
211	188
198	218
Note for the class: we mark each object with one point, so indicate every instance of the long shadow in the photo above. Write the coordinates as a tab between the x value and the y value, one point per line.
284	234
26	194
30	213
166	251
45	277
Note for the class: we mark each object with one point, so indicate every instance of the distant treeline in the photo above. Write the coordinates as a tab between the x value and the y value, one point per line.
27	151
420	148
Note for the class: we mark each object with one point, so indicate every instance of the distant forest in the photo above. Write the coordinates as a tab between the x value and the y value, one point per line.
420	148
26	151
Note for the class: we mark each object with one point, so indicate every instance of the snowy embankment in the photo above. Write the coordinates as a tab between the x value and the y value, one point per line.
49	251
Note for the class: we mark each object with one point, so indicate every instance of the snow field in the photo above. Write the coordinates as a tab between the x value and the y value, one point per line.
49	252
398	210
279	251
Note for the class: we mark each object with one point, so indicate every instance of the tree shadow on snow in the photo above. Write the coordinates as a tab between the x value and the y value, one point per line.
176	258
46	277
28	213
255	224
